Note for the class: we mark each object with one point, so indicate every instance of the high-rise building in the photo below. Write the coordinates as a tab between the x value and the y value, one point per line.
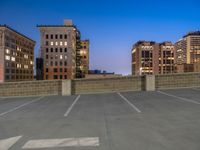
60	51
143	57
188	52
84	54
149	57
16	55
166	58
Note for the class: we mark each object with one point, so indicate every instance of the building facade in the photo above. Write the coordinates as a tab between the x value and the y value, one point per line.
188	52
84	54
16	55
166	58
60	51
149	57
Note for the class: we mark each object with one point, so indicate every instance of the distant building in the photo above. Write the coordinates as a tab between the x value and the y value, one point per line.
16	55
39	69
84	56
149	57
166	58
60	51
188	53
94	74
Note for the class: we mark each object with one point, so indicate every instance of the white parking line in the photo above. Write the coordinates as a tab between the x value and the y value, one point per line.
133	106
6	144
18	107
66	142
72	105
181	98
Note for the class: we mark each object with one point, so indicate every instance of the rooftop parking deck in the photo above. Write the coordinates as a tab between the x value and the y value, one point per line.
159	120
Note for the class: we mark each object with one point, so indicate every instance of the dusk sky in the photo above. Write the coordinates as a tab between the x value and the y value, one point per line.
111	26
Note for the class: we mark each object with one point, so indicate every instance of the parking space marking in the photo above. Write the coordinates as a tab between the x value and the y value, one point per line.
20	106
5	144
133	106
52	143
181	98
72	105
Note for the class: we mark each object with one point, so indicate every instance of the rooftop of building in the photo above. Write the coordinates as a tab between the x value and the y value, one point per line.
145	42
8	27
192	33
166	43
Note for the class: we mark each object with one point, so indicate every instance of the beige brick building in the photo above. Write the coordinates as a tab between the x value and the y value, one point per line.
149	57
60	50
188	53
16	55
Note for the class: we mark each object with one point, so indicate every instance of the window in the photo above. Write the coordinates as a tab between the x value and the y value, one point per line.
55	77
61	43
46	76
12	58
56	36
51	63
47	43
47	50
47	36
65	36
47	57
65	76
56	49
56	43
51	36
7	57
61	50
51	49
65	49
47	70
60	69
65	56
55	70
65	63
60	36
60	76
51	43
65	43
7	51
61	57
65	70
61	63
56	63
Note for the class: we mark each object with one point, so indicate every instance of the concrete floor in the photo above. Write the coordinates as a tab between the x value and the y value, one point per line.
165	120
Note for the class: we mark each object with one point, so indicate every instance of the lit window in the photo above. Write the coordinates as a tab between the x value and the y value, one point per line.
65	43
12	58
61	57
7	57
26	56
19	65
61	43
7	51
51	43
56	43
65	57
26	66
31	62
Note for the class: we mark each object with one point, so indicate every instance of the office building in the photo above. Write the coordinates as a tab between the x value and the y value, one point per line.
166	58
60	51
84	54
16	55
149	57
188	53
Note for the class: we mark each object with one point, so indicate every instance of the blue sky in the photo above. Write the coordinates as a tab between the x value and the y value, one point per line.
111	26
